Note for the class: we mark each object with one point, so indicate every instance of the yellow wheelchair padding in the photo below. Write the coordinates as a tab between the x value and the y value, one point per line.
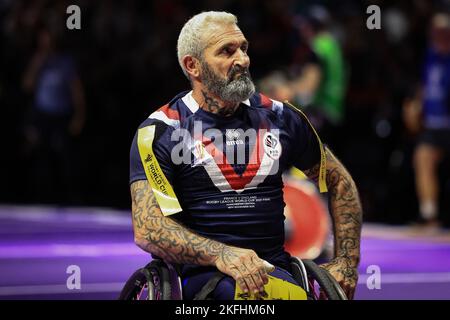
275	289
164	194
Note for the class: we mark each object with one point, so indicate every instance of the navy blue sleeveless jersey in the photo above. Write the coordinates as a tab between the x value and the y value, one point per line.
226	172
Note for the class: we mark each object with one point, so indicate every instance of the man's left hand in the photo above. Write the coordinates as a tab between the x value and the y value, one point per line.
345	271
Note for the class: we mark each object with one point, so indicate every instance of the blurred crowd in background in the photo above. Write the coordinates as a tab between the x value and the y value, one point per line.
71	100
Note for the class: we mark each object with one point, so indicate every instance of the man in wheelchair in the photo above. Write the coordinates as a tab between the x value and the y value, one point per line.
206	176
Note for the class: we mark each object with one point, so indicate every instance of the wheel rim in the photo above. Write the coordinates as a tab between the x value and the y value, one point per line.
150	290
157	286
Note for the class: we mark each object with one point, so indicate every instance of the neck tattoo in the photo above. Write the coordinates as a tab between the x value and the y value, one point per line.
212	105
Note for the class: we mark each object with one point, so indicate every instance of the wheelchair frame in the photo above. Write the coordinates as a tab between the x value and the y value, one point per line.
159	280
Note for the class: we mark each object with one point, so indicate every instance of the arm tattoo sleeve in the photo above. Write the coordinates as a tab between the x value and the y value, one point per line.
345	208
164	236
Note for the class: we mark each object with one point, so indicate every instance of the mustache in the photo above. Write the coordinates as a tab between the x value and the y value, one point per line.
236	70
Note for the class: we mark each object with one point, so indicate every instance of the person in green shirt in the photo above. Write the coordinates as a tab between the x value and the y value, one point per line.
329	97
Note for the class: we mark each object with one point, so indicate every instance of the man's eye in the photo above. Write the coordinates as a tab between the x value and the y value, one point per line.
227	50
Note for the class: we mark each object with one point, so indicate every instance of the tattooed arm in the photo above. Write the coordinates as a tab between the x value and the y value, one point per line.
168	239
346	214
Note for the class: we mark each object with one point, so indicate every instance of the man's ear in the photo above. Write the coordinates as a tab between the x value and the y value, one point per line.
192	66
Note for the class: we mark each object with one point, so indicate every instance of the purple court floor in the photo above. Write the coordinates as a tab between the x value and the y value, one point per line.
38	244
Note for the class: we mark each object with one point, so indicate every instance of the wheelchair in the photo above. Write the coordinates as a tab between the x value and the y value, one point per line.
159	280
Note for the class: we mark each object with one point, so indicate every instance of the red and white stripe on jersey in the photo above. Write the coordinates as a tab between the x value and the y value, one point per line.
167	115
274	105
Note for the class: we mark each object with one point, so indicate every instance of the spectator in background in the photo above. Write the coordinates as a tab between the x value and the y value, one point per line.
429	110
299	78
299	81
327	105
277	86
57	116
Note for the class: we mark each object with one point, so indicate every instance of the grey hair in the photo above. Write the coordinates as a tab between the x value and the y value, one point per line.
191	42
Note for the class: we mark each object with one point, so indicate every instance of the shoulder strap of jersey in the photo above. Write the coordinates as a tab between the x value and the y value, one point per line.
323	158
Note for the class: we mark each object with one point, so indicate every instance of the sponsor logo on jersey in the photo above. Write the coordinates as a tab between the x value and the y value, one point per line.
232	136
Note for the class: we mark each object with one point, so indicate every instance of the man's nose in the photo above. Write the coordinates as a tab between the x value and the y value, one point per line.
242	59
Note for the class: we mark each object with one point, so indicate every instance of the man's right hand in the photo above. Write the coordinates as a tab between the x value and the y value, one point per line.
244	265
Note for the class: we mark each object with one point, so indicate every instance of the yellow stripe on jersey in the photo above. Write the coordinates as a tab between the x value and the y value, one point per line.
323	158
275	289
167	200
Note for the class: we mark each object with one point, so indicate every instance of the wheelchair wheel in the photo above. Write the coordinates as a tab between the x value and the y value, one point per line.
321	281
149	283
336	285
